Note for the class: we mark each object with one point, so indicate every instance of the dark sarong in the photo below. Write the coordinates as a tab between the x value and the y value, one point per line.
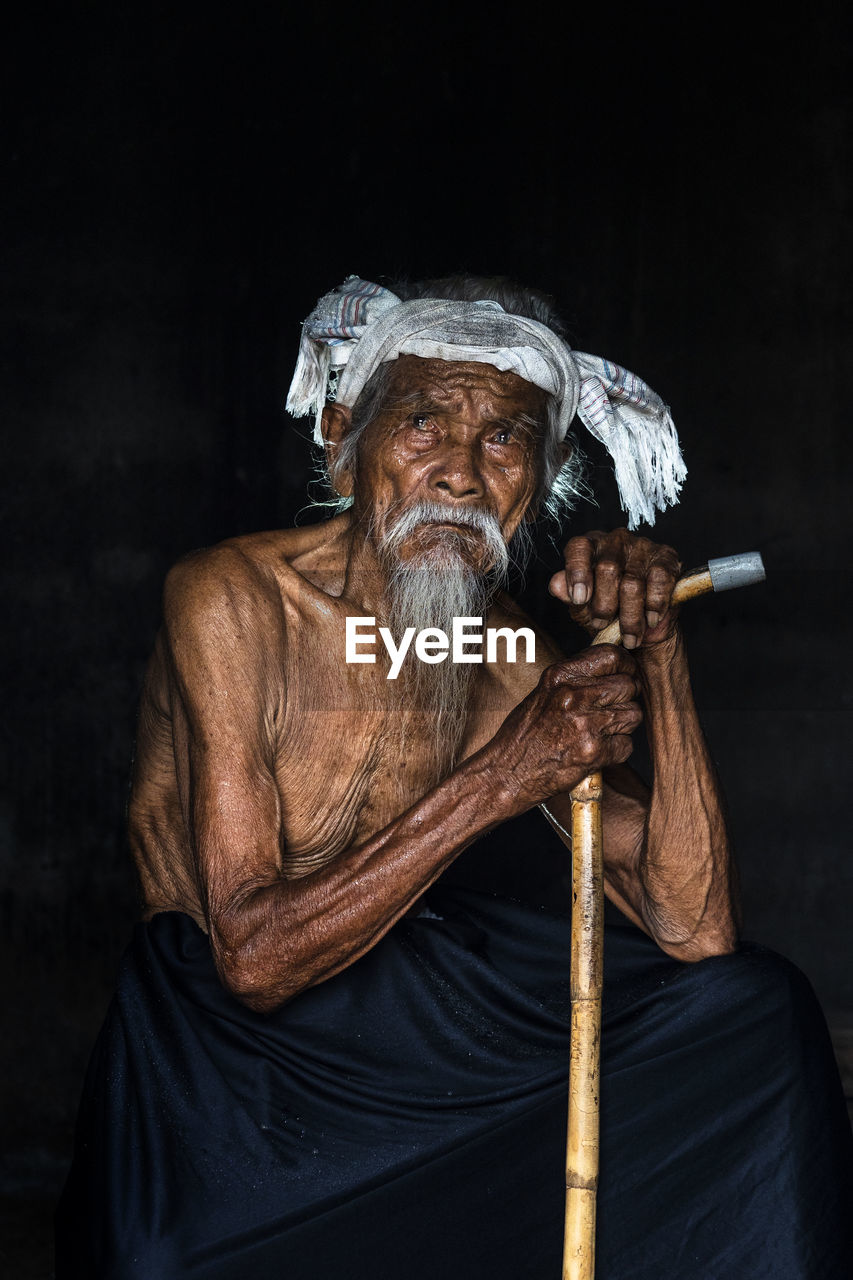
407	1118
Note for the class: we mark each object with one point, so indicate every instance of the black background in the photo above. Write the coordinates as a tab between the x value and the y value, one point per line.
180	186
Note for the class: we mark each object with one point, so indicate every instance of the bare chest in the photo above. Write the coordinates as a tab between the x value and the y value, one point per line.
348	768
354	751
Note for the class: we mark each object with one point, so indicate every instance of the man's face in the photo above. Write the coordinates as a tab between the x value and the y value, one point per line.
459	434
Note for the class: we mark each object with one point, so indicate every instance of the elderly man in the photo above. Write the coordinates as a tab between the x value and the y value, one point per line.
326	1056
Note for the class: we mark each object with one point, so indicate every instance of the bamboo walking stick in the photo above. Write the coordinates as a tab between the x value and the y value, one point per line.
587	955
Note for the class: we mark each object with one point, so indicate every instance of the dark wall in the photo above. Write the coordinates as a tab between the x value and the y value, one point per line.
179	192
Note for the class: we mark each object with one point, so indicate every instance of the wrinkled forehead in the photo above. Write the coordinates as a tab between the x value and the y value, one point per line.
451	384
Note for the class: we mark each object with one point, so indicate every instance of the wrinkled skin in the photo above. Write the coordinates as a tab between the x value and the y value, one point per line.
284	801
622	575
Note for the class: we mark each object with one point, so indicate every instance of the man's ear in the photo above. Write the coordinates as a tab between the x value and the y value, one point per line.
337	420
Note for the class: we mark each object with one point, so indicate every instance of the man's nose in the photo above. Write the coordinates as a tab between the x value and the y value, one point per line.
456	474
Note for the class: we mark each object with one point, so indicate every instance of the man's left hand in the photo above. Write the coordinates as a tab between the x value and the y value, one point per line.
620	575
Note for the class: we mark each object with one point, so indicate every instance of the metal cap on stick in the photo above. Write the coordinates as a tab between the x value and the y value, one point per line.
736	571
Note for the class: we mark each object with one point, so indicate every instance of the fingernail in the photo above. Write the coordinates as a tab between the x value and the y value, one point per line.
580	593
629	641
598	623
652	618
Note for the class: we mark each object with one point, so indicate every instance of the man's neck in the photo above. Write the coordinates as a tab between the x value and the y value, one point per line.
365	580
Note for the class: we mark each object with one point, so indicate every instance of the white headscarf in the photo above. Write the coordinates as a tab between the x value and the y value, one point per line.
361	325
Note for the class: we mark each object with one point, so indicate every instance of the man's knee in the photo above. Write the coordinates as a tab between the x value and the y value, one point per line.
755	975
763	997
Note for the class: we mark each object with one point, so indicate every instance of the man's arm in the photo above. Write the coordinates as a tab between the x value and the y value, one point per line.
273	937
667	854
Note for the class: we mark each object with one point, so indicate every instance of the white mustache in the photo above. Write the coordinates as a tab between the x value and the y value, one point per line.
427	512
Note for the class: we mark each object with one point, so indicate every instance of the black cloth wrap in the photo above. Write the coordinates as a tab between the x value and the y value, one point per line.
407	1117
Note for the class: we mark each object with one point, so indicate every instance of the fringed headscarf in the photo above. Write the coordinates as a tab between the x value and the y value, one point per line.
360	325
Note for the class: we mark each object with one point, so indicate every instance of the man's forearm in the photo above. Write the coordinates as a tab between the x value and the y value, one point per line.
684	866
276	939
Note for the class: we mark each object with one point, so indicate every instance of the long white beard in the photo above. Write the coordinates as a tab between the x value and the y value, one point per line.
430	589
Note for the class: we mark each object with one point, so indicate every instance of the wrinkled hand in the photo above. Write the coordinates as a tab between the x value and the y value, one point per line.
578	719
620	575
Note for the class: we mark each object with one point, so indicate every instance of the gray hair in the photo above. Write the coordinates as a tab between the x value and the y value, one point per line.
561	480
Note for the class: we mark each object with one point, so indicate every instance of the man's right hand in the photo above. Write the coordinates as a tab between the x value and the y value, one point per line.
577	720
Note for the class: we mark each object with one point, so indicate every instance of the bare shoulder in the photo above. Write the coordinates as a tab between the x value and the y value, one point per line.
218	591
254	572
229	604
223	617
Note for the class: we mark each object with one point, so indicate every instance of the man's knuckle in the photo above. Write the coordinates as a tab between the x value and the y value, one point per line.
606	657
666	559
553	677
566	701
627	686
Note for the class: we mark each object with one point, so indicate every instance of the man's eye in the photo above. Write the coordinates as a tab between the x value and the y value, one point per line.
420	421
503	436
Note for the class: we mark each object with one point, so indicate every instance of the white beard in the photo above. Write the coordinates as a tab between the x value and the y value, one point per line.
430	589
